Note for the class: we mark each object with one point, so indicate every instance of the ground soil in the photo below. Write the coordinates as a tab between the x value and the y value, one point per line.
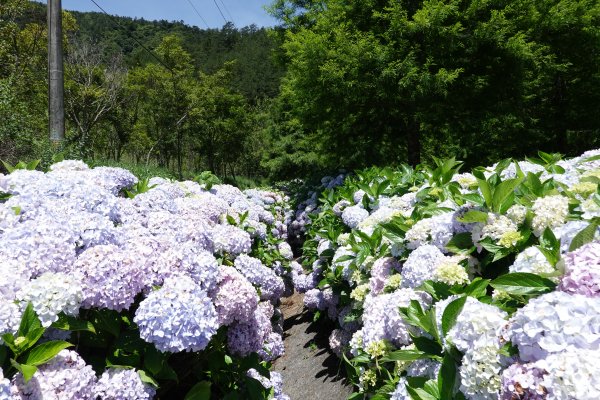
310	370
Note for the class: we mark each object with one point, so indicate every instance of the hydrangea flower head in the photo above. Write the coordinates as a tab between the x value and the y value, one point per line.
65	377
122	384
51	294
177	317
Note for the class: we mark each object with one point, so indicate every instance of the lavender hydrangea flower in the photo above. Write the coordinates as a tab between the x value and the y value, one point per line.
122	384
582	271
248	337
382	321
10	317
401	393
522	381
177	317
110	277
41	246
572	374
65	377
437	231
4	386
270	284
380	271
421	265
235	298
231	239
192	261
273	347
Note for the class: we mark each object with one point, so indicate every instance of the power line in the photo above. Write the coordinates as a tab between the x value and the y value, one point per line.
220	12
197	12
114	21
227	11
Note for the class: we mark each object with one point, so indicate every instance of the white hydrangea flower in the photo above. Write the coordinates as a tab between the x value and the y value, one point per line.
590	209
553	323
480	370
476	321
549	212
436	230
421	265
533	261
354	215
51	294
465	180
451	272
517	213
572	374
122	384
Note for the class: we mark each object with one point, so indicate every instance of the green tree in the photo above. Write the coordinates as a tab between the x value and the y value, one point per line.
378	82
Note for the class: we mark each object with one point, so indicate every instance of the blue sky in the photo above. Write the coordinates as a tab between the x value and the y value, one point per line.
242	12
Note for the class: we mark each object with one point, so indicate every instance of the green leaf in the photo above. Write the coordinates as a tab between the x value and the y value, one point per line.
477	288
153	360
472	216
419	394
68	323
522	283
586	235
27	370
427	345
460	243
405	355
144	377
29	321
44	352
231	220
486	192
200	391
451	313
447	378
503	191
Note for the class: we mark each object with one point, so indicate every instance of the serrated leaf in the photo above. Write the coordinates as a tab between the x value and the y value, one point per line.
586	235
522	283
46	351
451	313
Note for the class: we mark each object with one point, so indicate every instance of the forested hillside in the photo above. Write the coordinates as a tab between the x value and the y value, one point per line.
338	85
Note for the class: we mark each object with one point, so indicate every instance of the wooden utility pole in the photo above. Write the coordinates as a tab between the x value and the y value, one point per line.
56	107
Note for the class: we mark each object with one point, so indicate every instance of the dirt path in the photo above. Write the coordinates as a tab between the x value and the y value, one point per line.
309	369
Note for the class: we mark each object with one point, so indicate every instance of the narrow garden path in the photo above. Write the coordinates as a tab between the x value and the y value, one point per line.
310	370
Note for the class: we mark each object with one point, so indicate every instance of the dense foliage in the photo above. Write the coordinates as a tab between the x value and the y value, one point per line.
384	82
199	101
119	288
448	285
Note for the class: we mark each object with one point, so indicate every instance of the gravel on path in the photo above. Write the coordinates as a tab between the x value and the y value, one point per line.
310	370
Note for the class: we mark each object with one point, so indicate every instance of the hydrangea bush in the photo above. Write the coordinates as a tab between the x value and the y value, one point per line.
447	285
114	288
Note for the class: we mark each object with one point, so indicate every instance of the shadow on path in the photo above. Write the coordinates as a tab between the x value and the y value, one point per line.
310	370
